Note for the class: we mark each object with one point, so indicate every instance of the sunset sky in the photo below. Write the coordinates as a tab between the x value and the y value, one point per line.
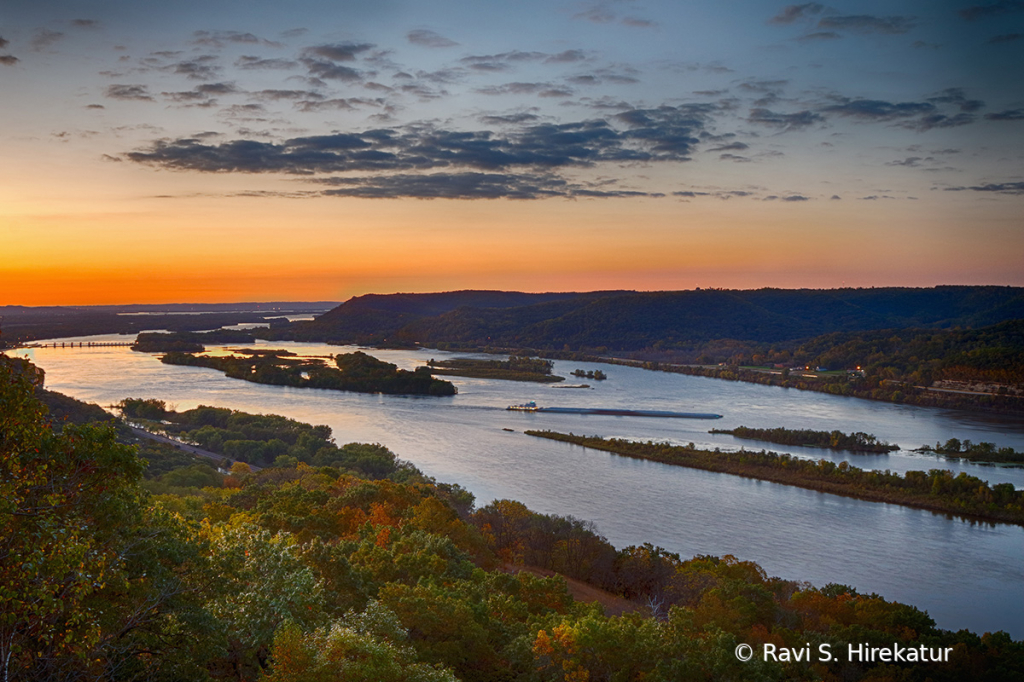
315	150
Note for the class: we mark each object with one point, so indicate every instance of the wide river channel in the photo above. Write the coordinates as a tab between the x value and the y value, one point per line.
966	575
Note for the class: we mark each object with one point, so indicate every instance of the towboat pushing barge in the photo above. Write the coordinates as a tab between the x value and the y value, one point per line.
532	407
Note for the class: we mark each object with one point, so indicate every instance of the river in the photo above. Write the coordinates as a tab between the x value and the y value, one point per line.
966	575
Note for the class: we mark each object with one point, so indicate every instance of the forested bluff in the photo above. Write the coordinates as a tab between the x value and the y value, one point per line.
951	347
133	561
959	347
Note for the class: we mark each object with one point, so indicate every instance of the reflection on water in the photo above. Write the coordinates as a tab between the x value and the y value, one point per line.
964	574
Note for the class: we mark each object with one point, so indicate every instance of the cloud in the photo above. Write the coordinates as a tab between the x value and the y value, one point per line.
94	106
85	23
602	76
216	88
427	38
201	68
765	86
129	92
873	109
601	13
322	60
502	61
565	57
250	62
201	95
792	13
800	119
910	161
4	42
469	186
339	52
276	95
864	23
556	92
219	39
734	158
340	103
1005	38
819	35
993	9
641	135
636	22
514	89
44	38
423	92
449	186
331	71
732	146
957	97
938	121
718	194
509	119
8	59
597	15
1008	115
998	187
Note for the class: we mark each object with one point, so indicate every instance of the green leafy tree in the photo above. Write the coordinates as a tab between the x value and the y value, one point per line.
66	501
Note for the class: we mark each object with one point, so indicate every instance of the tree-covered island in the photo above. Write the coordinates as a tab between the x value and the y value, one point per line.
516	368
833	440
936	490
189	342
356	372
986	453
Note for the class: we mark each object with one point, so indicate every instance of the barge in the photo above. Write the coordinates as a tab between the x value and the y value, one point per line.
613	412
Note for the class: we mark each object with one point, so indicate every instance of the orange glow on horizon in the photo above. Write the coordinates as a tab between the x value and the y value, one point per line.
275	249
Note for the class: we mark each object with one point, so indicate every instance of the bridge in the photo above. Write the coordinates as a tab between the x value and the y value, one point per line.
78	344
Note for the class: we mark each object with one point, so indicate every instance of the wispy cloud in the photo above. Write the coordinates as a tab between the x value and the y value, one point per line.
997	187
1008	115
878	110
203	67
794	121
976	12
957	97
44	38
220	39
793	13
426	38
129	92
468	186
865	23
252	62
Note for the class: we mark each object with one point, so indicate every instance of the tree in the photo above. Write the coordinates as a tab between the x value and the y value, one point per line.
88	572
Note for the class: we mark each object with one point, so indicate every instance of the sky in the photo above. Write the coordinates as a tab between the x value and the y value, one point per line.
232	150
